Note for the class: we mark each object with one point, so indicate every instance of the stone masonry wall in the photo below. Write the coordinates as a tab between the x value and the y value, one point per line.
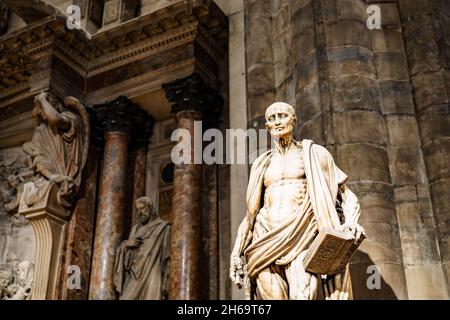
358	93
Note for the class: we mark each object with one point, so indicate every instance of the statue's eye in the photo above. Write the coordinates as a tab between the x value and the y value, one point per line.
283	115
271	118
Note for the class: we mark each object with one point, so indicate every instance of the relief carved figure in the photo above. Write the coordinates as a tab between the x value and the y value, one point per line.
17	240
58	149
141	266
295	192
16	280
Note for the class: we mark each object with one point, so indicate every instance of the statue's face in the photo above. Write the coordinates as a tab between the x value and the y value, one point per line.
280	120
144	212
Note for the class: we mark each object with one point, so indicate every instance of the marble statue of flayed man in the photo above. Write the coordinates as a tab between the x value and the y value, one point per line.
292	194
141	266
58	150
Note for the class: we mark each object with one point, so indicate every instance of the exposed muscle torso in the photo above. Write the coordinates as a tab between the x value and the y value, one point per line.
285	184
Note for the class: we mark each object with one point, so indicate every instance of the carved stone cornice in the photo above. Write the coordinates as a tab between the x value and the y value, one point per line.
193	94
26	53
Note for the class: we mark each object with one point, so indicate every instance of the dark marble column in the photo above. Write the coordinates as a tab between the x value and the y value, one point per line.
191	98
139	154
112	196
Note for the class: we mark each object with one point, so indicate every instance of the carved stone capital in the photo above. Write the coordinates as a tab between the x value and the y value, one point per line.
193	94
122	115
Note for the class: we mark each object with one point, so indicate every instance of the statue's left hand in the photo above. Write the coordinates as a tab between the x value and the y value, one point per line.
355	229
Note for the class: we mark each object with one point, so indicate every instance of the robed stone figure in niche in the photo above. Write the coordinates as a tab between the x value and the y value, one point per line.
296	195
141	266
58	150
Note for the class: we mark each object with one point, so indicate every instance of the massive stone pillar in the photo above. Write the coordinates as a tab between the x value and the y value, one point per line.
338	105
111	212
190	98
425	33
423	271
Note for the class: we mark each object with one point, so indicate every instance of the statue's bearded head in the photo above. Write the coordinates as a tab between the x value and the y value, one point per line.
145	209
280	120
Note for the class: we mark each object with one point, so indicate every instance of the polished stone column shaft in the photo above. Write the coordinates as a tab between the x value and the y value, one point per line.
185	246
111	213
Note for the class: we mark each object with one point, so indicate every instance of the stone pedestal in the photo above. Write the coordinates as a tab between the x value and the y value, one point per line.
48	219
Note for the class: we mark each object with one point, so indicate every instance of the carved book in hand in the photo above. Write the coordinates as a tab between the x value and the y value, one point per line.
330	252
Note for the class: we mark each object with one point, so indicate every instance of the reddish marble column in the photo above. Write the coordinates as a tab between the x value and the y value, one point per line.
116	120
111	213
191	99
140	159
185	247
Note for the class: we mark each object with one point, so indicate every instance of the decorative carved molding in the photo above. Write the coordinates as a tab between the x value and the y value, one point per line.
89	55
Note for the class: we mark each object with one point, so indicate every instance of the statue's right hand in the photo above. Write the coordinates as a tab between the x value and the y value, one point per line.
133	243
238	272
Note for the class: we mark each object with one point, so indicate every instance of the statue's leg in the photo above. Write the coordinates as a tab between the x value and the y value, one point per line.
302	284
271	284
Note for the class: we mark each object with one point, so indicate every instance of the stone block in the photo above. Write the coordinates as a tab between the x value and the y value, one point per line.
412	8
376	208
309	102
312	129
354	92
423	56
396	97
359	126
389	14
304	44
361	161
387	40
426	282
259	53
302	20
429	89
403	131
441	198
434	123
391	66
347	32
260	78
404	164
335	10
306	71
282	46
257	104
258	31
281	21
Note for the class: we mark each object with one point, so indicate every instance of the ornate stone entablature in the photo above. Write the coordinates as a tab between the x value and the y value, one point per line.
168	44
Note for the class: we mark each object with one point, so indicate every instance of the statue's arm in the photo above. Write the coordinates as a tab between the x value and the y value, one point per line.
54	118
352	211
238	268
243	238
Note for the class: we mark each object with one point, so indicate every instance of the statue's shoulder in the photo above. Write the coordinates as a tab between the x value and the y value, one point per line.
319	150
261	158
